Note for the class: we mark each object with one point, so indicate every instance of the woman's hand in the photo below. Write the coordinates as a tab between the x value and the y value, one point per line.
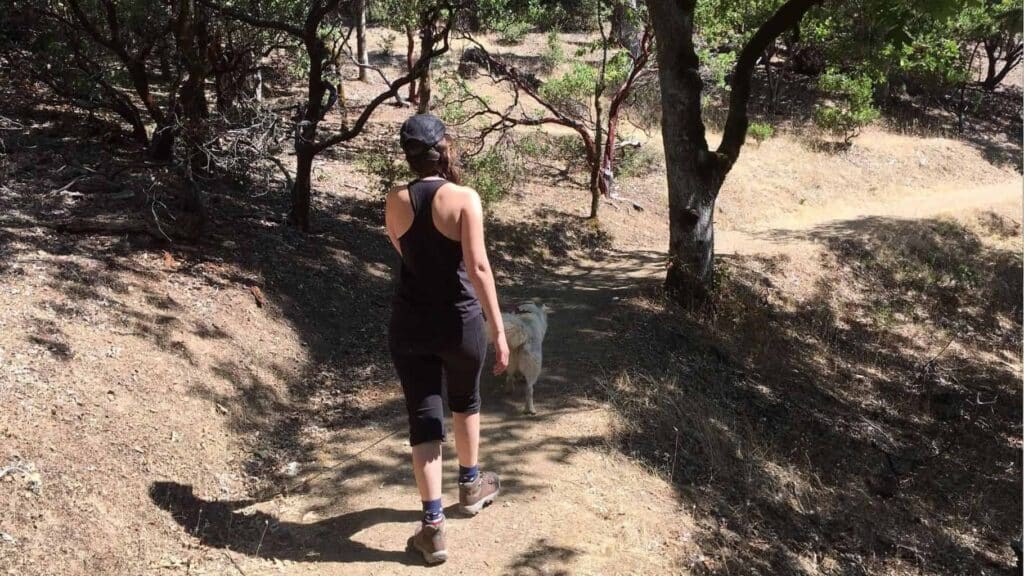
500	353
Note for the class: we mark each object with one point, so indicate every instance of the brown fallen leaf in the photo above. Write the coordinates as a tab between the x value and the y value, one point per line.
258	295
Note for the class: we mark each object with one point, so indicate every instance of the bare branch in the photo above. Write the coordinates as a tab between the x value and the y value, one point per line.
787	16
393	87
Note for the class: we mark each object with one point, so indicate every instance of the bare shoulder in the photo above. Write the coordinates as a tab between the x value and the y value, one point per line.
397	192
464	194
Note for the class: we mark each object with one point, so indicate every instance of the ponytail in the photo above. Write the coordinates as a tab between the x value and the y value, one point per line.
441	160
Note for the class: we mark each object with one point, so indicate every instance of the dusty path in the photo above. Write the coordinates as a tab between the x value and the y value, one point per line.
804	226
570	503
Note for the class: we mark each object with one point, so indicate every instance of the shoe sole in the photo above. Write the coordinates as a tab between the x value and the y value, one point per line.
430	557
435	558
475	509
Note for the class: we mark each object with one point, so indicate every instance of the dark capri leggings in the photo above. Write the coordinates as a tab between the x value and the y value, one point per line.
456	358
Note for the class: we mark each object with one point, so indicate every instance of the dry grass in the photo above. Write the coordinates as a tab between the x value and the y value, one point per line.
810	429
872	425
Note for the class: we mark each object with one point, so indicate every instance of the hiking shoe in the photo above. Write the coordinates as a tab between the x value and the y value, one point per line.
428	540
473	496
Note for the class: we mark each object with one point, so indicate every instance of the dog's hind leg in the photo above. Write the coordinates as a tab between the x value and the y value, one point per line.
531	373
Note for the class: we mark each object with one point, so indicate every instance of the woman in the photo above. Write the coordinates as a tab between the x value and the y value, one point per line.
437	330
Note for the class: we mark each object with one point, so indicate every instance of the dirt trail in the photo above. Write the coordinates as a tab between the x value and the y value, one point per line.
564	509
570	503
790	233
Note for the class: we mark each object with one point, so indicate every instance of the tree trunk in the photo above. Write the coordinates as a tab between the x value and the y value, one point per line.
774	81
193	41
596	176
258	91
124	108
302	189
692	175
192	96
305	135
410	49
624	30
691	241
695	173
161	146
359	6
992	59
995	75
424	91
607	181
165	66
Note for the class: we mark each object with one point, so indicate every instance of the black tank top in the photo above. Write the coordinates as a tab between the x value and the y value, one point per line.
432	283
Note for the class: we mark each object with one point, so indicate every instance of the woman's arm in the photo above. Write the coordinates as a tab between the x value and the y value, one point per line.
478	268
390	206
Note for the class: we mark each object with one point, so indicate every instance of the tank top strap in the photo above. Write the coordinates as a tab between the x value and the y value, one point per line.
421	195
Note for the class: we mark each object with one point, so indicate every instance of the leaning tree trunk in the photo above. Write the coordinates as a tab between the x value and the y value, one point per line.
359	6
693	181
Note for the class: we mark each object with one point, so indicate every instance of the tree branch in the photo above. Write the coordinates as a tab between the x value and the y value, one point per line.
243	16
393	87
787	16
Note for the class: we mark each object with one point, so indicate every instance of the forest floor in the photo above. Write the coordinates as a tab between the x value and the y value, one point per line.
851	404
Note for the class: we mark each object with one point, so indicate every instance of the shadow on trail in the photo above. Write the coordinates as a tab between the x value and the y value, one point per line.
251	527
319	406
824	434
219	524
834	433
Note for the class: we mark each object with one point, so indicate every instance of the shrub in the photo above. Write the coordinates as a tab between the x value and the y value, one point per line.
571	89
387	45
553	55
569	149
545	148
636	162
512	31
760	132
643	106
384	164
715	68
534	145
493	173
616	71
850	107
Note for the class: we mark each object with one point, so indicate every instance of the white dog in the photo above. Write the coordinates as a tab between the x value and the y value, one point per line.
524	332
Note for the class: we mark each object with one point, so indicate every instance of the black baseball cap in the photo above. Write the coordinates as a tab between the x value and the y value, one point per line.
420	133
